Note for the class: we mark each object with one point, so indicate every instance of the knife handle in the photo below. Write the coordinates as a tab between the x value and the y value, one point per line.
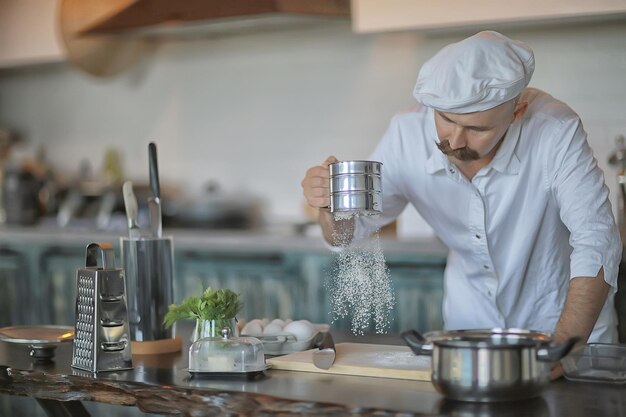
154	170
130	203
154	213
327	342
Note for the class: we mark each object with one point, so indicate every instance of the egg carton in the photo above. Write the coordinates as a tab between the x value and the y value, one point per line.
285	343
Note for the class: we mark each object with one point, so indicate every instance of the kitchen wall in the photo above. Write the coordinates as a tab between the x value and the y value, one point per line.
252	109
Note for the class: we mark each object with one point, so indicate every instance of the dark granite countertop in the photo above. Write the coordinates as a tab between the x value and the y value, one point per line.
160	384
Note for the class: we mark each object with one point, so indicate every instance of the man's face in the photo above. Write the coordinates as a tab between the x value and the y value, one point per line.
475	136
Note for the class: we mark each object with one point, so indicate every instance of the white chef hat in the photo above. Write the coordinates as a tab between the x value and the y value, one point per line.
475	74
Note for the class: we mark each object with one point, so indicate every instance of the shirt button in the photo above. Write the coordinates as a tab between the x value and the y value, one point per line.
477	236
486	267
452	171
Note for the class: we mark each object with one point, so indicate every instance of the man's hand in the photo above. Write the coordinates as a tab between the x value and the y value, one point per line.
556	372
316	184
316	190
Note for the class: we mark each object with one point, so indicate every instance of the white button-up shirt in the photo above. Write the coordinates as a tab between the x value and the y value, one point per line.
536	216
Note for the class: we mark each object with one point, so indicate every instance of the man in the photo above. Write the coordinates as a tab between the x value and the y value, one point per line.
505	177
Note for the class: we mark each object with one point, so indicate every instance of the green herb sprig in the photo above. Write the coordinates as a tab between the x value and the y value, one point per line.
221	305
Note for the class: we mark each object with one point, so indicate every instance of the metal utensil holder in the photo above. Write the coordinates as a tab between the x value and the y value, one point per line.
101	341
149	270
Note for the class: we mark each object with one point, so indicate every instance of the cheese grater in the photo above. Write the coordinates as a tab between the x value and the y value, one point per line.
101	340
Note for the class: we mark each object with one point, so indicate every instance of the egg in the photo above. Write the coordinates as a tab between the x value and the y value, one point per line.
279	322
265	321
252	328
259	322
240	324
301	329
272	329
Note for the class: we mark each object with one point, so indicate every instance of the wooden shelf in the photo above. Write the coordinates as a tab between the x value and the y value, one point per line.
392	15
27	33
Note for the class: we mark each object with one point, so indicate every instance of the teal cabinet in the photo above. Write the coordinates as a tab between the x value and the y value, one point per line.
15	286
275	281
269	283
56	282
418	288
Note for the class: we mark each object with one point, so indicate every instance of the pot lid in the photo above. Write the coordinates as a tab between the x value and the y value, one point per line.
491	338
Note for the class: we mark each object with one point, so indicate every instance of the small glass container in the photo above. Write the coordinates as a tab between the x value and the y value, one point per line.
596	362
226	355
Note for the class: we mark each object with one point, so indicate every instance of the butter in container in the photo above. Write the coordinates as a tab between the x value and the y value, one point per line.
596	362
227	356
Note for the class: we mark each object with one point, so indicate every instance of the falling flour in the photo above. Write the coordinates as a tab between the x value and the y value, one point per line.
359	283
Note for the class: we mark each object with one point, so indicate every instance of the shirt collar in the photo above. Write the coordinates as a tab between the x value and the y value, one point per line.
505	160
437	160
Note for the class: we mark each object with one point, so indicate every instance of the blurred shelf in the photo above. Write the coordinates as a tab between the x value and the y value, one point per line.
232	240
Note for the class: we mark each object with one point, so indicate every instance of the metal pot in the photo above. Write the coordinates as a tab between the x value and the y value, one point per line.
532	407
488	365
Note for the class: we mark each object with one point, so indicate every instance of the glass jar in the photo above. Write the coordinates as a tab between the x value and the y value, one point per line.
224	354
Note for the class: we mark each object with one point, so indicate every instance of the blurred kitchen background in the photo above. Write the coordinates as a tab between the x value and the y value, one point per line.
239	109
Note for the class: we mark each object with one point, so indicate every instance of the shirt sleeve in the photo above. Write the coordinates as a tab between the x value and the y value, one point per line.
583	199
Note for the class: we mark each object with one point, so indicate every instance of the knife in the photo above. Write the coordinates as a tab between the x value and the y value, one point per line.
134	234
324	357
130	202
154	202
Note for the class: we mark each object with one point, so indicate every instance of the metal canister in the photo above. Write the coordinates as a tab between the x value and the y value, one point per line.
356	187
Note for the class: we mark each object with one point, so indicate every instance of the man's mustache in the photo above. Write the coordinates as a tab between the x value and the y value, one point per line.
462	154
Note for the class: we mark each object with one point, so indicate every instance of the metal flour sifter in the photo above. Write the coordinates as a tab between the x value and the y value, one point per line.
356	187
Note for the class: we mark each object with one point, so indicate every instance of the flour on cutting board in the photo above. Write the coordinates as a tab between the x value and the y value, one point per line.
362	359
398	360
380	356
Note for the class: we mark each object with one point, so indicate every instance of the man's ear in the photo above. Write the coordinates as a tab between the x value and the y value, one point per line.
520	110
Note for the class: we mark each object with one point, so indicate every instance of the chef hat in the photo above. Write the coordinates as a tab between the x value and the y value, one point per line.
475	74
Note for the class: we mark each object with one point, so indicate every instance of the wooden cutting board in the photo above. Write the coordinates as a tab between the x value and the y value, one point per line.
362	359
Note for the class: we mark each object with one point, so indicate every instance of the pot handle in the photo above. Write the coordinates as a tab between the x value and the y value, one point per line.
416	342
555	353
